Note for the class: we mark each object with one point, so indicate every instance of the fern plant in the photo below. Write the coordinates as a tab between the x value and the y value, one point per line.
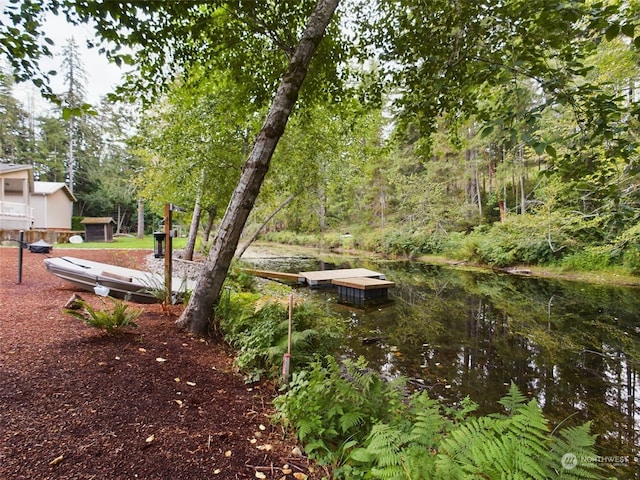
350	419
516	445
332	408
258	329
118	317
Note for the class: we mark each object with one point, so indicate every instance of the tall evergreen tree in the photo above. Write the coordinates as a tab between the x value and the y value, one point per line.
75	79
14	125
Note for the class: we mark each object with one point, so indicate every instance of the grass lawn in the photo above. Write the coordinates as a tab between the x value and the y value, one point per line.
122	243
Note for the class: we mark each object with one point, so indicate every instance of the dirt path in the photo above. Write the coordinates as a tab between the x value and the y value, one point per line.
149	403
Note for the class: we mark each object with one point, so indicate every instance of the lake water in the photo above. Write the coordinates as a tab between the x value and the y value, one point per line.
575	347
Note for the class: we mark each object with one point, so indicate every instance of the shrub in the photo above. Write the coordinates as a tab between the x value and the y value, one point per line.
590	258
631	260
629	244
332	408
258	328
110	321
532	239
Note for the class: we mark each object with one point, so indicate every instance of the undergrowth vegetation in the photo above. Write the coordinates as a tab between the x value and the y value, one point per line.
359	426
563	240
256	324
363	427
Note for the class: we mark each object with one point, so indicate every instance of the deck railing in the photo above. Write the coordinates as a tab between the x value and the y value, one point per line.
12	209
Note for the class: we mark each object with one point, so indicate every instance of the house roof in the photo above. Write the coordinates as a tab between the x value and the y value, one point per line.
12	167
97	220
49	188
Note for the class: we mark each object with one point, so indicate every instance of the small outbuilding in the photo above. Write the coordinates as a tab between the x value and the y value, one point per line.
98	229
52	204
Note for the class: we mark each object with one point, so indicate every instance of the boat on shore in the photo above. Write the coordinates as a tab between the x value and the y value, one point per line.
124	283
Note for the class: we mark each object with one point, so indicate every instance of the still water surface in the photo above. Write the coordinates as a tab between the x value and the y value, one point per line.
575	347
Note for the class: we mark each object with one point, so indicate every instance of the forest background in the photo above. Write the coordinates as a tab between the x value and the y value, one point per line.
519	151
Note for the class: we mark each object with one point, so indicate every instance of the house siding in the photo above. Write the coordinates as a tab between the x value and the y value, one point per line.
52	210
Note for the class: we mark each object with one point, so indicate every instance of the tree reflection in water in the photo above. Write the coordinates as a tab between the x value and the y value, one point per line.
575	347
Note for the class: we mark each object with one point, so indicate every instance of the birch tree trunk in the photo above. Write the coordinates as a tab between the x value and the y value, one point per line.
140	218
193	231
198	316
211	215
264	224
195	221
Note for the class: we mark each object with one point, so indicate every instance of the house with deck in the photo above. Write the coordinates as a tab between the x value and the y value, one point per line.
15	197
42	208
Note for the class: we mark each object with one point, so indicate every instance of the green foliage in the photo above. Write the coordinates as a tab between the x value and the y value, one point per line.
257	326
521	239
352	420
111	321
291	238
629	244
157	288
76	223
591	258
238	279
333	407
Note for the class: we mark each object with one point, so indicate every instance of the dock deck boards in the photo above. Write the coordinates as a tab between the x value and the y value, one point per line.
363	283
327	276
362	290
290	277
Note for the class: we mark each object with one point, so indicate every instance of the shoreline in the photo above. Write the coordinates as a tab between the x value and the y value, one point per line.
267	250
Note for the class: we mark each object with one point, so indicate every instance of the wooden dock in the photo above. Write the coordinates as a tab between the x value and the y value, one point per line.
288	277
326	277
362	290
355	285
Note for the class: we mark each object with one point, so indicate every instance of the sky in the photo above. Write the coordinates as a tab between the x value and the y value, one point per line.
102	76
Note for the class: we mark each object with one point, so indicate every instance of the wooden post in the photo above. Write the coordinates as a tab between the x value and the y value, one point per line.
168	252
286	360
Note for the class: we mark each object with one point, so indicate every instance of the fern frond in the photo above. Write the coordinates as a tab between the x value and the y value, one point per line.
350	420
513	400
428	423
577	441
384	438
392	472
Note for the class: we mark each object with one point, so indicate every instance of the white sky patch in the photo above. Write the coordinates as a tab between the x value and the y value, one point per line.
102	76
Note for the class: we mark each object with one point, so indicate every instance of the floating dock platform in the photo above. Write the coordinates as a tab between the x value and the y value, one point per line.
288	277
356	286
362	290
326	277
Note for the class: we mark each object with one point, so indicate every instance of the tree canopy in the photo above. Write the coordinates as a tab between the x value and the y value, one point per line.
477	95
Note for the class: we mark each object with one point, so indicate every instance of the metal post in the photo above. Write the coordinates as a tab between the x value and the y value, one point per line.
168	253
20	249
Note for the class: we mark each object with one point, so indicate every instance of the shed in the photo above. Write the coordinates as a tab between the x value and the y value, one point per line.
52	204
98	229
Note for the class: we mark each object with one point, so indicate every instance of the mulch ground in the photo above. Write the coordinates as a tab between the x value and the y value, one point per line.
147	403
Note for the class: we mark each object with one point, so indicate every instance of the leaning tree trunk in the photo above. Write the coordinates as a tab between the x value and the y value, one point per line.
193	231
257	232
199	312
211	216
195	222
